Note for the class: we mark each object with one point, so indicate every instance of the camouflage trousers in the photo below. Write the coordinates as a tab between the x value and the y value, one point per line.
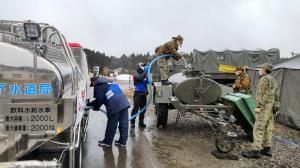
163	69
263	128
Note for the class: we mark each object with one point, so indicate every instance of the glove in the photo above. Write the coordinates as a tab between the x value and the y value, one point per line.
178	57
88	108
146	68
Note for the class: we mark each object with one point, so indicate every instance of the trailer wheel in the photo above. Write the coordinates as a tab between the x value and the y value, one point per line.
162	114
224	146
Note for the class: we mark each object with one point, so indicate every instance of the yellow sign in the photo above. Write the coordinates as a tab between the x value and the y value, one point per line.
227	68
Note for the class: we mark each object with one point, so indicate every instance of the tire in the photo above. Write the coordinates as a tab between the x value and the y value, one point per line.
162	115
84	124
224	146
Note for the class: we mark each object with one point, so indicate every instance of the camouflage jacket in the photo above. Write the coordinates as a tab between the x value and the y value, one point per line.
168	48
243	82
267	91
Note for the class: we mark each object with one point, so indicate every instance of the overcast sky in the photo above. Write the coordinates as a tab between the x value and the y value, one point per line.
138	26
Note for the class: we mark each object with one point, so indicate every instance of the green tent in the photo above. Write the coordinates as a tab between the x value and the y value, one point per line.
287	74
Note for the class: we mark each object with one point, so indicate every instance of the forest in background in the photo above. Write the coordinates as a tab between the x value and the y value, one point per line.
126	62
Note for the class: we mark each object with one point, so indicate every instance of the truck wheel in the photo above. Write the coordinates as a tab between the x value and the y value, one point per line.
84	124
162	115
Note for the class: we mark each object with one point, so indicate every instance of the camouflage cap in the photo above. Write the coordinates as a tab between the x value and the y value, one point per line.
266	66
179	37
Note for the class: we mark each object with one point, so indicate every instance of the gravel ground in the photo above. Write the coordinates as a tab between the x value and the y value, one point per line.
189	144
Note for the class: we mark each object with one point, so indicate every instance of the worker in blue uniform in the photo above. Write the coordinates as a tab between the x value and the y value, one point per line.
116	103
140	93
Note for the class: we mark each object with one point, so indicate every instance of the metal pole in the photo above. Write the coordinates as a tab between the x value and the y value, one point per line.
71	149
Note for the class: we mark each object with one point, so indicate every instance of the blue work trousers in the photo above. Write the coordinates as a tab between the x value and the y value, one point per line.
120	118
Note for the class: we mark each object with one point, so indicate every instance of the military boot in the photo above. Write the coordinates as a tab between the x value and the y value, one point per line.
165	82
266	151
251	154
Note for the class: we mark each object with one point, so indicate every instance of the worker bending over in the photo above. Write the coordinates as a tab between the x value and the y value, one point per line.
116	103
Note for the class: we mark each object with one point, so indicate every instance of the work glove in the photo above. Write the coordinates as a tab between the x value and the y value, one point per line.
87	108
147	68
178	57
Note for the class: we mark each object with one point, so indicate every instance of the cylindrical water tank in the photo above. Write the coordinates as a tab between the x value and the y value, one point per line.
195	90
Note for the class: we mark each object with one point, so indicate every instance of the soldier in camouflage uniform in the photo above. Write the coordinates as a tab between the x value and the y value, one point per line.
170	47
266	97
242	84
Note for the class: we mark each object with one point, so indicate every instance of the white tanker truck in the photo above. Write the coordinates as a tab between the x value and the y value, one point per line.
43	90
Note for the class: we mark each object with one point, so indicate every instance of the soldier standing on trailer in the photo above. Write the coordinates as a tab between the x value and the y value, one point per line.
116	103
170	47
266	97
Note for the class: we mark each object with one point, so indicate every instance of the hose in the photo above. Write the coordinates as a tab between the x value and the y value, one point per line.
150	88
286	141
150	83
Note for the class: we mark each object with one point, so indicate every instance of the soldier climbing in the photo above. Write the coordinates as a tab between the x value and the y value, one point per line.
170	47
